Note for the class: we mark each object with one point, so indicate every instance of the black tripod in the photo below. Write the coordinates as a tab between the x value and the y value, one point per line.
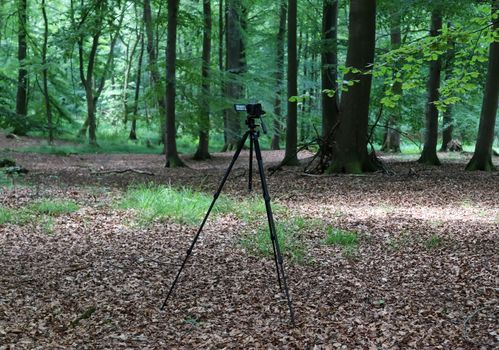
254	112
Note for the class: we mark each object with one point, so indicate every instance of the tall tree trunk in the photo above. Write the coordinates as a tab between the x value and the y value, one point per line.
21	125
448	120
204	133
350	152
153	69
429	155
133	130
279	75
172	158
392	134
129	60
482	158
234	68
290	156
329	62
45	74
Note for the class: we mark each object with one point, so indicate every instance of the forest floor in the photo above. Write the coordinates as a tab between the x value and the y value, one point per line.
423	273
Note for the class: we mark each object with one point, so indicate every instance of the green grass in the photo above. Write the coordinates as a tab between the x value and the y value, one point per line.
186	206
342	238
6	215
289	235
433	242
54	207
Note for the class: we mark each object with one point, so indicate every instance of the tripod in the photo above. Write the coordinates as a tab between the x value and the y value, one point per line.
253	135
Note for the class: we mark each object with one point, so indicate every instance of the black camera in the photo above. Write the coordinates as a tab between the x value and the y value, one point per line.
253	109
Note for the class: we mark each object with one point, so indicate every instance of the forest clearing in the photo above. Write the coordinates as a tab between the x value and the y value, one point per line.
417	268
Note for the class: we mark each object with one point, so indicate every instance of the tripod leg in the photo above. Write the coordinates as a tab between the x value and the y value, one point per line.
273	235
250	178
215	197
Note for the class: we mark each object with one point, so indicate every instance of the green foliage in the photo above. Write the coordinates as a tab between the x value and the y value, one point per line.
186	206
433	242
289	235
342	238
54	207
6	215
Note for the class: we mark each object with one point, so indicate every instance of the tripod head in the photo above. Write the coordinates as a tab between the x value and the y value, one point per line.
254	111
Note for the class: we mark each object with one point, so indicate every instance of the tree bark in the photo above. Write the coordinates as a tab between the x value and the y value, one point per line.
21	127
204	133
350	152
234	68
46	95
482	157
279	75
429	155
290	156
329	62
172	158
157	86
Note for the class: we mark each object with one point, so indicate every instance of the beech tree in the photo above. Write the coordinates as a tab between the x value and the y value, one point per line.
204	122
482	157
172	158
290	156
350	151
21	126
429	155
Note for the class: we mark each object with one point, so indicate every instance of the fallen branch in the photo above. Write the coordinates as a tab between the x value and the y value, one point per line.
143	172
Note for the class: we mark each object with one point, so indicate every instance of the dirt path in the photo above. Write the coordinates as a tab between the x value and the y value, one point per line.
425	274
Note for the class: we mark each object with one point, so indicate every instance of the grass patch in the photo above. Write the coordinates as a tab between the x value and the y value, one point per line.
289	234
433	242
6	215
186	206
54	207
343	238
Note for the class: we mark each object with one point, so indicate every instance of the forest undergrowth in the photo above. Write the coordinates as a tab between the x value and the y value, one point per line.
408	260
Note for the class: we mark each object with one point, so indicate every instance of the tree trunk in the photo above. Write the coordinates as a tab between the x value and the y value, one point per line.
429	155
21	126
133	130
329	62
45	74
234	68
290	156
392	134
279	75
448	120
482	157
172	158
153	69
204	133
129	60
350	152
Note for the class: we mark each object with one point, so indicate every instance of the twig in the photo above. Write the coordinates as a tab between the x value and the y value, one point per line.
124	171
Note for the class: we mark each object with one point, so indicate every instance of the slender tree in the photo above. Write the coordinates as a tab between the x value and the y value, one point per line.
157	86
234	68
133	129
448	120
482	157
290	156
22	77
204	124
329	61
172	158
350	151
45	74
391	142
279	75
429	155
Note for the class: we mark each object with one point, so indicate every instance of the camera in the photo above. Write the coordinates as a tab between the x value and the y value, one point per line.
253	109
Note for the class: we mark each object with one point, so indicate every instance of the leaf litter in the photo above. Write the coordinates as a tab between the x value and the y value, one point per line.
425	272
